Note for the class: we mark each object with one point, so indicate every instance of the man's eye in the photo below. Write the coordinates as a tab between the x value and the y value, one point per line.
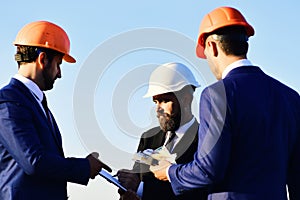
166	100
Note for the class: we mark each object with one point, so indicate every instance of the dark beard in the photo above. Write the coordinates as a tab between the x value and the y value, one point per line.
169	122
48	81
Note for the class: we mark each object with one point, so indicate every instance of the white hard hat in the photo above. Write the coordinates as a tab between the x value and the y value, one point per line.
170	77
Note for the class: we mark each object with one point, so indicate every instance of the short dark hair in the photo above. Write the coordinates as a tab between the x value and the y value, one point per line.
28	54
233	40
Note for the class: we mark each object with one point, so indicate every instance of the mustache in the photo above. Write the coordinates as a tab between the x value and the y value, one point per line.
162	114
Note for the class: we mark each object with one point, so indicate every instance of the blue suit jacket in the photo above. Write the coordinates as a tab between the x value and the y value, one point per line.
32	162
249	140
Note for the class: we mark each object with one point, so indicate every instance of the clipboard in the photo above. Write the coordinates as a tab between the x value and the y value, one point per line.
112	179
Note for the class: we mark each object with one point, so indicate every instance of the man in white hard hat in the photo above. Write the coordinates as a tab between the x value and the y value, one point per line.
171	86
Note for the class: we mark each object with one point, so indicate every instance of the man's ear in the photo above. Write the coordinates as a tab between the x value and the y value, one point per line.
214	48
41	59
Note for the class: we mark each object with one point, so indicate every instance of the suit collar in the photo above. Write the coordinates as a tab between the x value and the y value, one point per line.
17	83
26	91
244	70
32	86
234	65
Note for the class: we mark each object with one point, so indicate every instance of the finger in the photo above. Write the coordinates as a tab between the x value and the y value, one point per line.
106	167
120	191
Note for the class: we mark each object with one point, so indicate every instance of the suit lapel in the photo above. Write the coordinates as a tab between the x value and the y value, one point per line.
187	139
29	95
56	133
54	130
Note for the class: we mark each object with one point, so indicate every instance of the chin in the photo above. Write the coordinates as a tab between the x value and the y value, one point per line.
49	87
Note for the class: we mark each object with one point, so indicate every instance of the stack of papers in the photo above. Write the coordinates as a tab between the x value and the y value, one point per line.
152	157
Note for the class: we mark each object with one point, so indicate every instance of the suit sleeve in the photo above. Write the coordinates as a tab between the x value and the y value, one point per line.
294	174
212	156
19	136
293	179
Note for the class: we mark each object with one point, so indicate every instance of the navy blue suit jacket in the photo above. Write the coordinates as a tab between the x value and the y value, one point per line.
32	162
249	140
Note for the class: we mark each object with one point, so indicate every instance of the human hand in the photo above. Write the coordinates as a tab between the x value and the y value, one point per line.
96	165
160	170
129	179
129	195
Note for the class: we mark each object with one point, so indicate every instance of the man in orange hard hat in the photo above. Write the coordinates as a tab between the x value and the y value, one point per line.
32	161
249	133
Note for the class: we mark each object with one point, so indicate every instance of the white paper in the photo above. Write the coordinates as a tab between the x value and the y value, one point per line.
152	157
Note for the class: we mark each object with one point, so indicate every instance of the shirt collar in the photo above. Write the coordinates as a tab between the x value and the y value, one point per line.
182	129
32	86
236	64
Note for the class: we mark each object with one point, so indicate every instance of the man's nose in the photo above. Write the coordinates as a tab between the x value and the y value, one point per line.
159	109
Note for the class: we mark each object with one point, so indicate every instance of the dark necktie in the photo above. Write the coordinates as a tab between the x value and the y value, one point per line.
51	123
45	106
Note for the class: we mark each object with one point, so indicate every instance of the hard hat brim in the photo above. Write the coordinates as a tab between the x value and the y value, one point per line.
200	51
69	58
158	90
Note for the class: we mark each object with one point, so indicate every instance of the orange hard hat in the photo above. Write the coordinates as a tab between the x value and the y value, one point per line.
219	18
46	35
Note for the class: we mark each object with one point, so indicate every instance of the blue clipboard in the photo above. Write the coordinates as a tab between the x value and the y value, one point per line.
112	179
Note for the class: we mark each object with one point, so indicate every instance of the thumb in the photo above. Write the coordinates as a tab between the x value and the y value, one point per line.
95	154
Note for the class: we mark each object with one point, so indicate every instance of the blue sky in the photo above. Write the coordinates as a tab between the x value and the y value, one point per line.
92	97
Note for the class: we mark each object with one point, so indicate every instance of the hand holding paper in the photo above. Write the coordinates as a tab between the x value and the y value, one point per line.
152	157
160	170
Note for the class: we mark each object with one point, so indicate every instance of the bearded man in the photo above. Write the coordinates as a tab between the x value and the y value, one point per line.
171	87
